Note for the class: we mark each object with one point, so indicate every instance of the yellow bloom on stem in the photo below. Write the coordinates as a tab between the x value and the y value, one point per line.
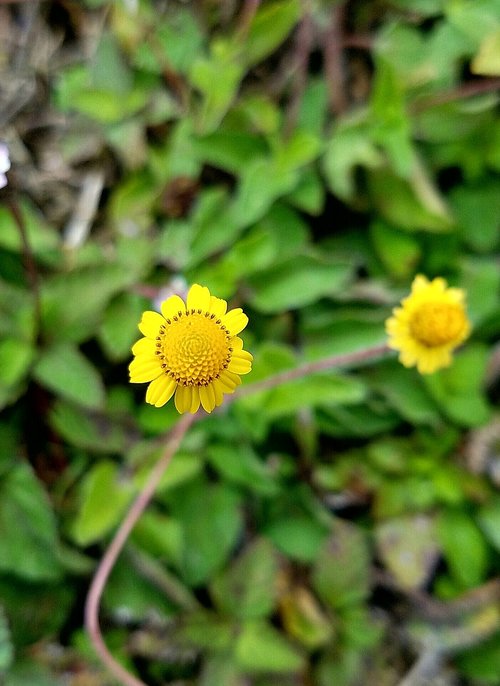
192	349
429	325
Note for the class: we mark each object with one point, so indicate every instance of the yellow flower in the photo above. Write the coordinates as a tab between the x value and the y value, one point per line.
431	323
192	350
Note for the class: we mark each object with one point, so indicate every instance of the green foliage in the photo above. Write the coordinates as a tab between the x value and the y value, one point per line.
290	534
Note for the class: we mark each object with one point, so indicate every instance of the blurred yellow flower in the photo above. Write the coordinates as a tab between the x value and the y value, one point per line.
429	325
191	350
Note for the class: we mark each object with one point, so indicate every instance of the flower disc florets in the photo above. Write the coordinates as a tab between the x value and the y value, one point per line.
195	347
429	325
191	350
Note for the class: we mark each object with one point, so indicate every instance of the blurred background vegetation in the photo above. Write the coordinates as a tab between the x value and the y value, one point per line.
303	159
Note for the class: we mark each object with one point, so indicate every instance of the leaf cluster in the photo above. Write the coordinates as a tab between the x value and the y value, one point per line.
292	533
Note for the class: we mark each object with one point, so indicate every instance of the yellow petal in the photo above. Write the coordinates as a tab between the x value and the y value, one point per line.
150	324
195	399
198	298
160	390
235	321
172	306
144	370
218	391
144	346
183	399
229	381
240	366
207	397
242	355
217	306
187	399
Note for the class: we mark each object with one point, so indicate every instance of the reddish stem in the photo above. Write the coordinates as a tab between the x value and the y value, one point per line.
114	549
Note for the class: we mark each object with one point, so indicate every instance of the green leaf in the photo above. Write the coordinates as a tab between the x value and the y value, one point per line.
406	393
94	431
298	282
410	559
261	648
159	535
399	252
487	60
108	69
260	184
342	667
464	547
28	536
229	150
301	148
220	670
6	648
211	520
217	78
207	630
249	588
481	282
107	107
304	619
104	495
131	592
35	610
214	226
412	205
261	112
269	28
350	146
118	330
239	464
390	124
183	468
470	203
458	389
73	302
132	201
68	373
341	571
481	663
489	521
177	43
299	537
309	195
15	358
316	390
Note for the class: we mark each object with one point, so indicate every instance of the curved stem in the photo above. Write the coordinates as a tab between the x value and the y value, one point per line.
141	502
112	552
322	365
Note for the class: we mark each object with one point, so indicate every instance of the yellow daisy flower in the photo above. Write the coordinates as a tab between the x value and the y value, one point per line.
431	323
191	350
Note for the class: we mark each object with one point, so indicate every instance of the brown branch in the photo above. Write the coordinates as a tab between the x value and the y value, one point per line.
304	42
333	50
245	19
322	365
174	439
467	90
114	549
358	40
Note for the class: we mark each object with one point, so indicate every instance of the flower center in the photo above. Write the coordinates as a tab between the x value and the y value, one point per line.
435	324
194	347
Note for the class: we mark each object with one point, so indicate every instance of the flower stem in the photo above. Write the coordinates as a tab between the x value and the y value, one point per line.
115	547
322	365
141	502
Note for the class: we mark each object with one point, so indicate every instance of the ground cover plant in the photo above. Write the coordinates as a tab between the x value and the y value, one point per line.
328	171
